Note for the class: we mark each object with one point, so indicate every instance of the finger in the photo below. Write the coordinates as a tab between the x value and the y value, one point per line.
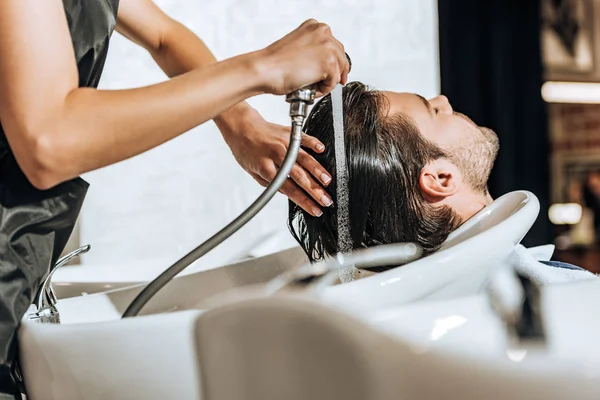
333	68
343	65
308	163
291	190
305	181
308	142
311	142
346	64
259	179
328	84
308	22
305	162
345	72
268	172
298	196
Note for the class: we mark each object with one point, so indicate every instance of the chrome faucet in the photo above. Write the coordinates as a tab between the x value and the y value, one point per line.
46	304
515	299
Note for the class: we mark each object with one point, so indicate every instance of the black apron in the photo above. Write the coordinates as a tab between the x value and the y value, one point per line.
35	225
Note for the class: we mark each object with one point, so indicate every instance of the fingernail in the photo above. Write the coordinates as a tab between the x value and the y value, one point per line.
326	201
317	212
325	178
320	147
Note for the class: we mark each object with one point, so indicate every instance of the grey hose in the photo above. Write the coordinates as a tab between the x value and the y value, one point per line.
153	287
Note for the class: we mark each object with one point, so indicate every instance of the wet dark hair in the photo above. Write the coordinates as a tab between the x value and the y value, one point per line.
385	155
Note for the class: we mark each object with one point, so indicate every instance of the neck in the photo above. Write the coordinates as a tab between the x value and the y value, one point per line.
469	204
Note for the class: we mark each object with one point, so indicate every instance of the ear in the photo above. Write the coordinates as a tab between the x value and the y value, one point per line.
439	179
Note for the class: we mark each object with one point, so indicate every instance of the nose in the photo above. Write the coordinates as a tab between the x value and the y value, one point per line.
441	102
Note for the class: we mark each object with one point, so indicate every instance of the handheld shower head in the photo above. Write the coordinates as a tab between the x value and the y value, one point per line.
299	101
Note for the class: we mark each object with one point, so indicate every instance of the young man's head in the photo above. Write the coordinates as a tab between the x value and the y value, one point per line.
417	170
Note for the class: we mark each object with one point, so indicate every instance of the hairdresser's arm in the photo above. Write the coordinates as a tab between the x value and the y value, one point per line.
58	131
257	145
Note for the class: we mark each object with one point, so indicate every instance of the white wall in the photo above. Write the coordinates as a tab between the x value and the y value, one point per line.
157	206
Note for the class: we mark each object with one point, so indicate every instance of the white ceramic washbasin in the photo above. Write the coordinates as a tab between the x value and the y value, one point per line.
295	347
456	349
460	268
75	280
157	355
184	292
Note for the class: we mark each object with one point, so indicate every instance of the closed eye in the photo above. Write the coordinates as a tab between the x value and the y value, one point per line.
432	112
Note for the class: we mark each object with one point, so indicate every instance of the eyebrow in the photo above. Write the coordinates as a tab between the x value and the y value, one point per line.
427	104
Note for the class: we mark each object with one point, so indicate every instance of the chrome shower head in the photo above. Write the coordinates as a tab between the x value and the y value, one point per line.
302	98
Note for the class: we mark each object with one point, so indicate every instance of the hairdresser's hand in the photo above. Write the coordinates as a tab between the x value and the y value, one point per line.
259	147
307	55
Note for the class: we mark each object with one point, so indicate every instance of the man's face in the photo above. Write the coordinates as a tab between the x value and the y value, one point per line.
474	148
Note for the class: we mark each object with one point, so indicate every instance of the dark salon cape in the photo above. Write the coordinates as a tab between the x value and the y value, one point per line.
35	225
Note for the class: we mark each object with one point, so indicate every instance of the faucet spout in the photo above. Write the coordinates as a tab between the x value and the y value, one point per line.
46	304
517	303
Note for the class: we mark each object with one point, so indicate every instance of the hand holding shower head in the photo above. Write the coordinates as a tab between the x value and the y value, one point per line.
306	95
300	100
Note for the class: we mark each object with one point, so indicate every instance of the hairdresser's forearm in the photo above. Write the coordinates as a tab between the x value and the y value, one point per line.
182	51
98	128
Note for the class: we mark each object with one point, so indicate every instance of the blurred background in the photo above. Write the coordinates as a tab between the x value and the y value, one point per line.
530	70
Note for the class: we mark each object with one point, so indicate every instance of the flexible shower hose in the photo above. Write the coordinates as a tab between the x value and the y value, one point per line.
153	287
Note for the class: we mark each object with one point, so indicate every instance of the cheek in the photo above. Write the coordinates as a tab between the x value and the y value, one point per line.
448	134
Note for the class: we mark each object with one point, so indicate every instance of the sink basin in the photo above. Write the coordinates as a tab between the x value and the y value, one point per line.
65	290
184	292
456	349
94	354
460	268
76	359
296	347
75	280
